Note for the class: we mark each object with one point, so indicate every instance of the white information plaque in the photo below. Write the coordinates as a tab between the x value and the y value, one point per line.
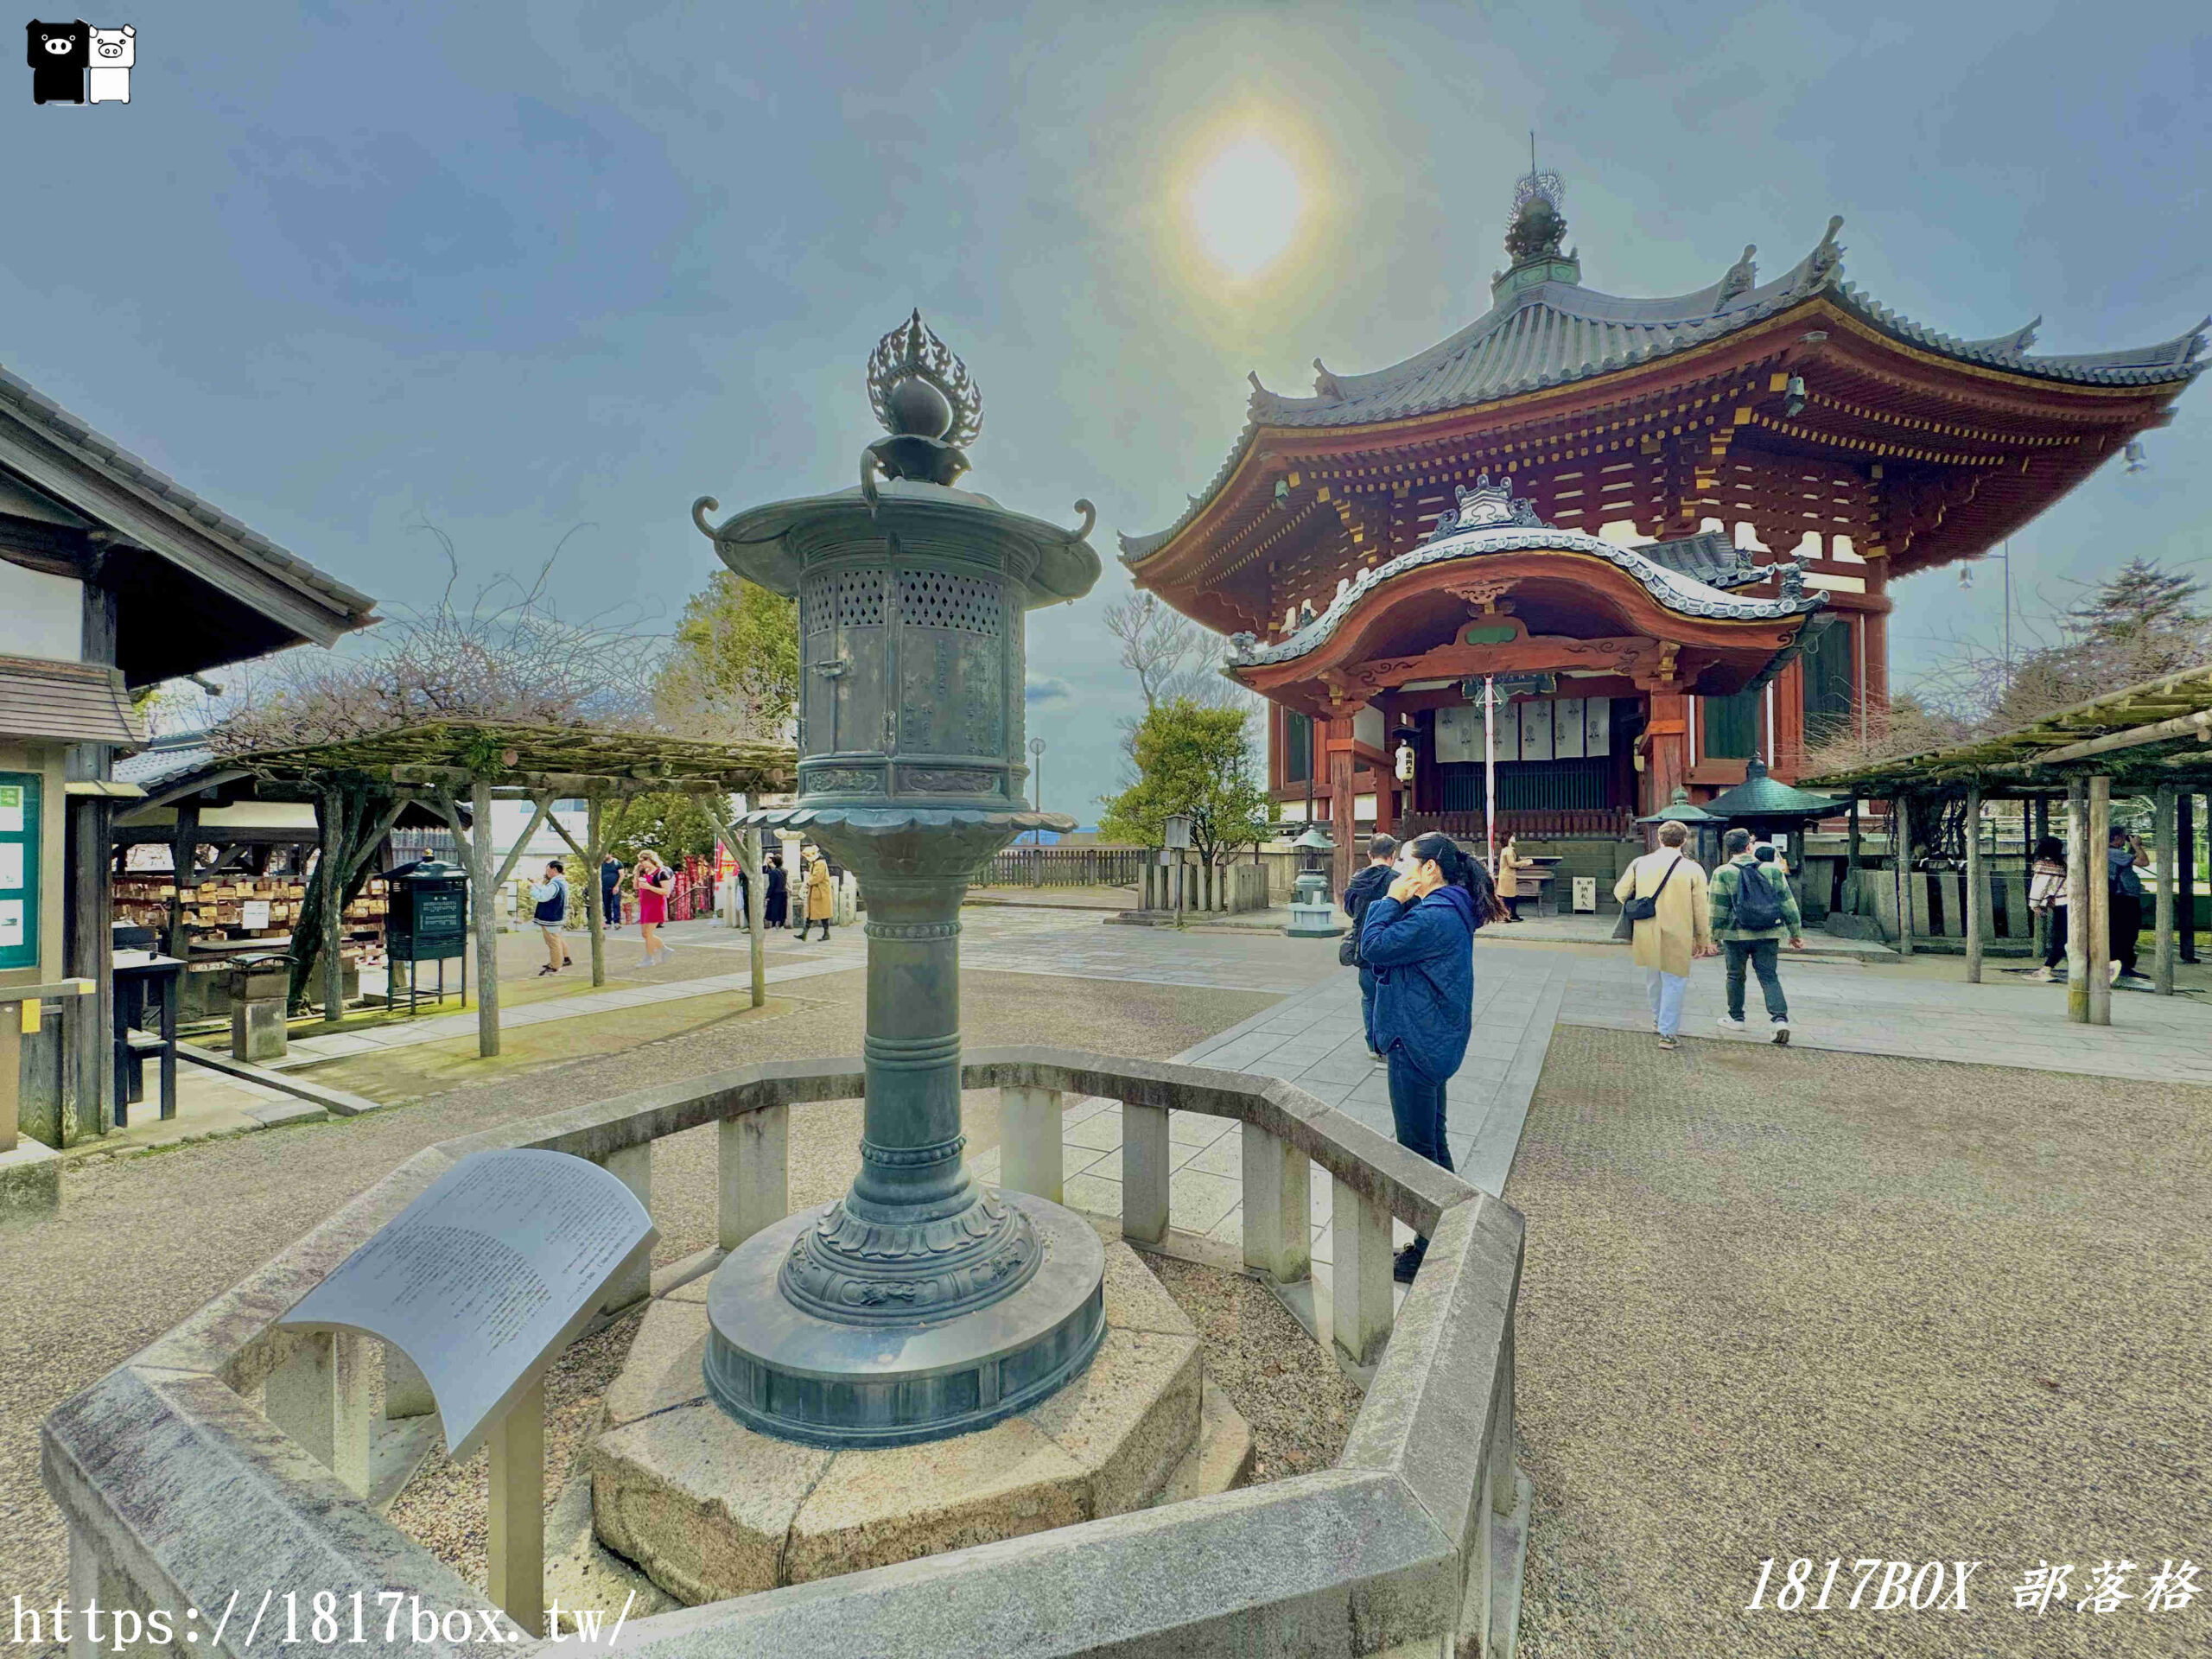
487	1277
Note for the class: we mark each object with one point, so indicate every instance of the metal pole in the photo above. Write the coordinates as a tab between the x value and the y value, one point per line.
1977	887
2162	833
1489	773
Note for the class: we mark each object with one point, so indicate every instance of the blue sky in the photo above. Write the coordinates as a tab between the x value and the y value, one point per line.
514	269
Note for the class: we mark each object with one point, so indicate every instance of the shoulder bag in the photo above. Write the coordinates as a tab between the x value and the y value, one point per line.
1643	910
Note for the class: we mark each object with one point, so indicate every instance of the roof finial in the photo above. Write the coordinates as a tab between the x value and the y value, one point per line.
1538	226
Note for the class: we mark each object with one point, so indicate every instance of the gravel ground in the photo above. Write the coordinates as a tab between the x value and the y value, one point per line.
144	1242
1780	1303
1299	1404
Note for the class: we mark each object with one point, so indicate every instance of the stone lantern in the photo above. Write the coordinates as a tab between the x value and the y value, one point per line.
919	1304
1312	916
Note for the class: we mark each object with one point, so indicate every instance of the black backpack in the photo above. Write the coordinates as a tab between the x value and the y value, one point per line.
1758	906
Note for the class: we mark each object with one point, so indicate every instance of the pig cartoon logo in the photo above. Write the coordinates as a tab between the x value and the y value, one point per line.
113	51
58	55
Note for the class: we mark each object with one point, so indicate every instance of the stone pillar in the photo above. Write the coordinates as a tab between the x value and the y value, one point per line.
1361	1308
2185	833
1029	1142
2080	869
406	1390
634	1168
1278	1219
753	1160
320	1396
1144	1165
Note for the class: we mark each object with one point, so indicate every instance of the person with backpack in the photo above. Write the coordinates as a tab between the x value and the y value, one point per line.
2124	856
1418	938
1663	904
1360	892
1752	907
551	897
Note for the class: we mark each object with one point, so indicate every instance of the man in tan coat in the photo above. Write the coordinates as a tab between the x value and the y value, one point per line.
1680	931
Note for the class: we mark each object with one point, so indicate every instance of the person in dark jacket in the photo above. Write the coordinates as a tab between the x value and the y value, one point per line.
777	906
1419	939
610	889
1359	893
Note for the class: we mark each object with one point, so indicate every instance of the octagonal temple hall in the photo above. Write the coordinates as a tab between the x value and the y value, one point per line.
1677	520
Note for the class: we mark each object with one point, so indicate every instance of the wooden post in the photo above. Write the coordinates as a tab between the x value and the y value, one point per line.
1976	886
515	1521
2098	921
2185	840
334	861
1901	857
756	913
2077	899
595	905
184	856
484	909
2161	834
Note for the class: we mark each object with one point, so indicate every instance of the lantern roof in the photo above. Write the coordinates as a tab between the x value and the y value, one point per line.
1763	797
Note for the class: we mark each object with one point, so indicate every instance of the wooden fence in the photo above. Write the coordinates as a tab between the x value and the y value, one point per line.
1535	824
1065	866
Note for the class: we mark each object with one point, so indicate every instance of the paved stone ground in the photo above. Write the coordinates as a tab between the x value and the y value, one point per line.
1779	1303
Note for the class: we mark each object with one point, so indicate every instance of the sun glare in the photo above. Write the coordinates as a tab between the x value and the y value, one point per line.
1244	204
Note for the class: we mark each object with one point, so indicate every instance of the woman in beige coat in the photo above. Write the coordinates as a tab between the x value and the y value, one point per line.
1680	931
821	898
1509	865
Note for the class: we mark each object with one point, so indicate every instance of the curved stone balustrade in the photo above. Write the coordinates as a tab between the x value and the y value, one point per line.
177	1491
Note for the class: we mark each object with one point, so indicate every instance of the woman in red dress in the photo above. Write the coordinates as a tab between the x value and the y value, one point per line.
654	885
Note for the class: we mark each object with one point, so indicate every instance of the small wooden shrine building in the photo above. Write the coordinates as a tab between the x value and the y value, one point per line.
1682	515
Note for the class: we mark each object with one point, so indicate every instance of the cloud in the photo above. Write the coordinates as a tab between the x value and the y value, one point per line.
1048	691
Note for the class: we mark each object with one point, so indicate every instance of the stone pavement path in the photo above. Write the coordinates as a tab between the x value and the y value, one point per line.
1314	1040
1060	944
2004	1021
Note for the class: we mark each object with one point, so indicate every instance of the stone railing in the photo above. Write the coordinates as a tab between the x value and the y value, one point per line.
178	1492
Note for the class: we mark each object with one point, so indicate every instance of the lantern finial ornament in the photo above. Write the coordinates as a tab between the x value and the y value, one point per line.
927	402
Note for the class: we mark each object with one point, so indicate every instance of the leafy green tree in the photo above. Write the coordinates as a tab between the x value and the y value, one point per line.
1197	761
673	823
732	670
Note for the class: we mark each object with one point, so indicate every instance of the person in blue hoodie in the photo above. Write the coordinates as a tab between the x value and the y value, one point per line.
1419	941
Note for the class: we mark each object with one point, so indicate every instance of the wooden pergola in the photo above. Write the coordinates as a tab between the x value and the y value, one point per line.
2154	739
442	762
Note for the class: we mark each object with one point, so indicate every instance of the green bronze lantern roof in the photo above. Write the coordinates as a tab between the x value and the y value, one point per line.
1761	796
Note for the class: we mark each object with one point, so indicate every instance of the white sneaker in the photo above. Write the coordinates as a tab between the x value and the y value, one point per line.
1728	1022
2044	977
1782	1032
2113	975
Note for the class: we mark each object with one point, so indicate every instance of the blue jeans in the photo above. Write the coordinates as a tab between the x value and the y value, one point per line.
1665	990
1417	1110
1367	1004
1761	956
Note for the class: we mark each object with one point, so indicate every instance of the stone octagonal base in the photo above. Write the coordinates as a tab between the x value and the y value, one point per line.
711	1508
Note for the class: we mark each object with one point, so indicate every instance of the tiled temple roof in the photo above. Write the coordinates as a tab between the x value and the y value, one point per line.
1551	332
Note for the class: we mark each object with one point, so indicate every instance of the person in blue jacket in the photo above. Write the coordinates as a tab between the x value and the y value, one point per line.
1418	940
